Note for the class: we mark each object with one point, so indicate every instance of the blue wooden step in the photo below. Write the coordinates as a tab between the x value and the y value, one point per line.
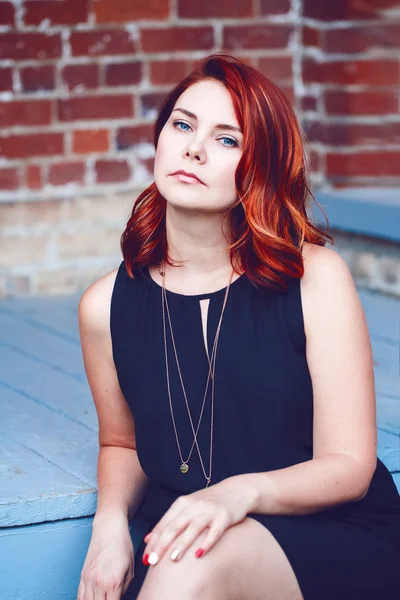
49	439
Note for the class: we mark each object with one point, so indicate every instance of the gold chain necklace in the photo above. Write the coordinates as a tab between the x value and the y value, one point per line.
184	466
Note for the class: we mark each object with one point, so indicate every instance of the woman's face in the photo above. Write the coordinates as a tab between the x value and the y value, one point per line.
196	143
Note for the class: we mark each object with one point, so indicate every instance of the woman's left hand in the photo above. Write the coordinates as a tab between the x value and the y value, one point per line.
217	507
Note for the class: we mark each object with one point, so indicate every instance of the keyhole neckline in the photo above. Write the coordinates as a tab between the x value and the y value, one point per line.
194	296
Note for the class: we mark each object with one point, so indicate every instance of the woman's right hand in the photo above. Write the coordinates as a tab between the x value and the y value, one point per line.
108	569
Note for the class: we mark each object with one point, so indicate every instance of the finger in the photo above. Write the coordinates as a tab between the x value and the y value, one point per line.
180	546
166	521
157	546
98	593
215	533
81	591
174	510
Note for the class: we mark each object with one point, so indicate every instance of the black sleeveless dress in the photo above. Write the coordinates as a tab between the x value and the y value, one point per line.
263	420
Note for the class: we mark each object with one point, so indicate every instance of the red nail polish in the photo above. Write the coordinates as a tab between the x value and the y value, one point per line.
199	552
145	559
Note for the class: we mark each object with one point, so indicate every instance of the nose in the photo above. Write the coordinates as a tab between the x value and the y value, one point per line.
194	151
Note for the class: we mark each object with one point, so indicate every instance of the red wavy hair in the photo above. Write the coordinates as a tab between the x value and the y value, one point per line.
268	224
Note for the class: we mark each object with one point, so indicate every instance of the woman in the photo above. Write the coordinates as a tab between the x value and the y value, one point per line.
256	474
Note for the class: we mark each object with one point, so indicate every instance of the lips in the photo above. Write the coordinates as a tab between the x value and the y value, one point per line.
186	174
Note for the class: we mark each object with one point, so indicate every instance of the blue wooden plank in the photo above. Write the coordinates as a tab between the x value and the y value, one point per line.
386	355
388	414
370	211
45	560
387	384
389	450
33	488
47	348
60	320
382	313
45	386
63	442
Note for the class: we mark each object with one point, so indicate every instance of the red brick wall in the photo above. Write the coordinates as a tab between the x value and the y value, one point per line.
80	81
351	77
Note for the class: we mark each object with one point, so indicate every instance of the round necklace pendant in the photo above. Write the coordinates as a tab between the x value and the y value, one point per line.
184	468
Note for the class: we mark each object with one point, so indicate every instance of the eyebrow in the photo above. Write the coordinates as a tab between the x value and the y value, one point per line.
219	126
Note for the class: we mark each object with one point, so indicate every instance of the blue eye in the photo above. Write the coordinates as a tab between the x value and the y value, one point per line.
180	123
235	144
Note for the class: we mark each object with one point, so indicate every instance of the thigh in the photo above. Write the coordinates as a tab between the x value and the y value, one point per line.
256	565
247	562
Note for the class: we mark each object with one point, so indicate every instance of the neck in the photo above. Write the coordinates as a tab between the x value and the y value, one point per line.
200	242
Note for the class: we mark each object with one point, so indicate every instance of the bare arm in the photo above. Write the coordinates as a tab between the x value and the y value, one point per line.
340	362
121	481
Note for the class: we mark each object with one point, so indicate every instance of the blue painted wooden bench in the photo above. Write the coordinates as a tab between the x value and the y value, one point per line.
49	444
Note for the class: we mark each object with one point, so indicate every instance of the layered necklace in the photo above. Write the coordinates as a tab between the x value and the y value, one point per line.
184	467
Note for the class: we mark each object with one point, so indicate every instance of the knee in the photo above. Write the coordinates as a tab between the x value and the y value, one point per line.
189	578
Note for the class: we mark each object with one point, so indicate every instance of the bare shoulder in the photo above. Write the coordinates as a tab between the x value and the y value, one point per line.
323	266
327	284
95	303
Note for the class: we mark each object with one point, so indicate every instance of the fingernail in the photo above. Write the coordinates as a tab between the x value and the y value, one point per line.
175	554
145	560
199	552
153	558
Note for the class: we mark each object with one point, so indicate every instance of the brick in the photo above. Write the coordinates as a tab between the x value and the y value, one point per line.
310	36
112	171
289	92
169	71
21	46
308	103
56	282
62	12
376	163
150	103
90	140
100	242
255	36
192	9
17	285
360	103
361	38
345	9
314	160
80	76
372	72
103	42
127	137
26	214
342	134
174	39
95	107
106	209
66	172
25	112
121	11
148	163
37	78
33	177
18	250
274	7
127	73
36	144
6	82
276	68
7	13
10	178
